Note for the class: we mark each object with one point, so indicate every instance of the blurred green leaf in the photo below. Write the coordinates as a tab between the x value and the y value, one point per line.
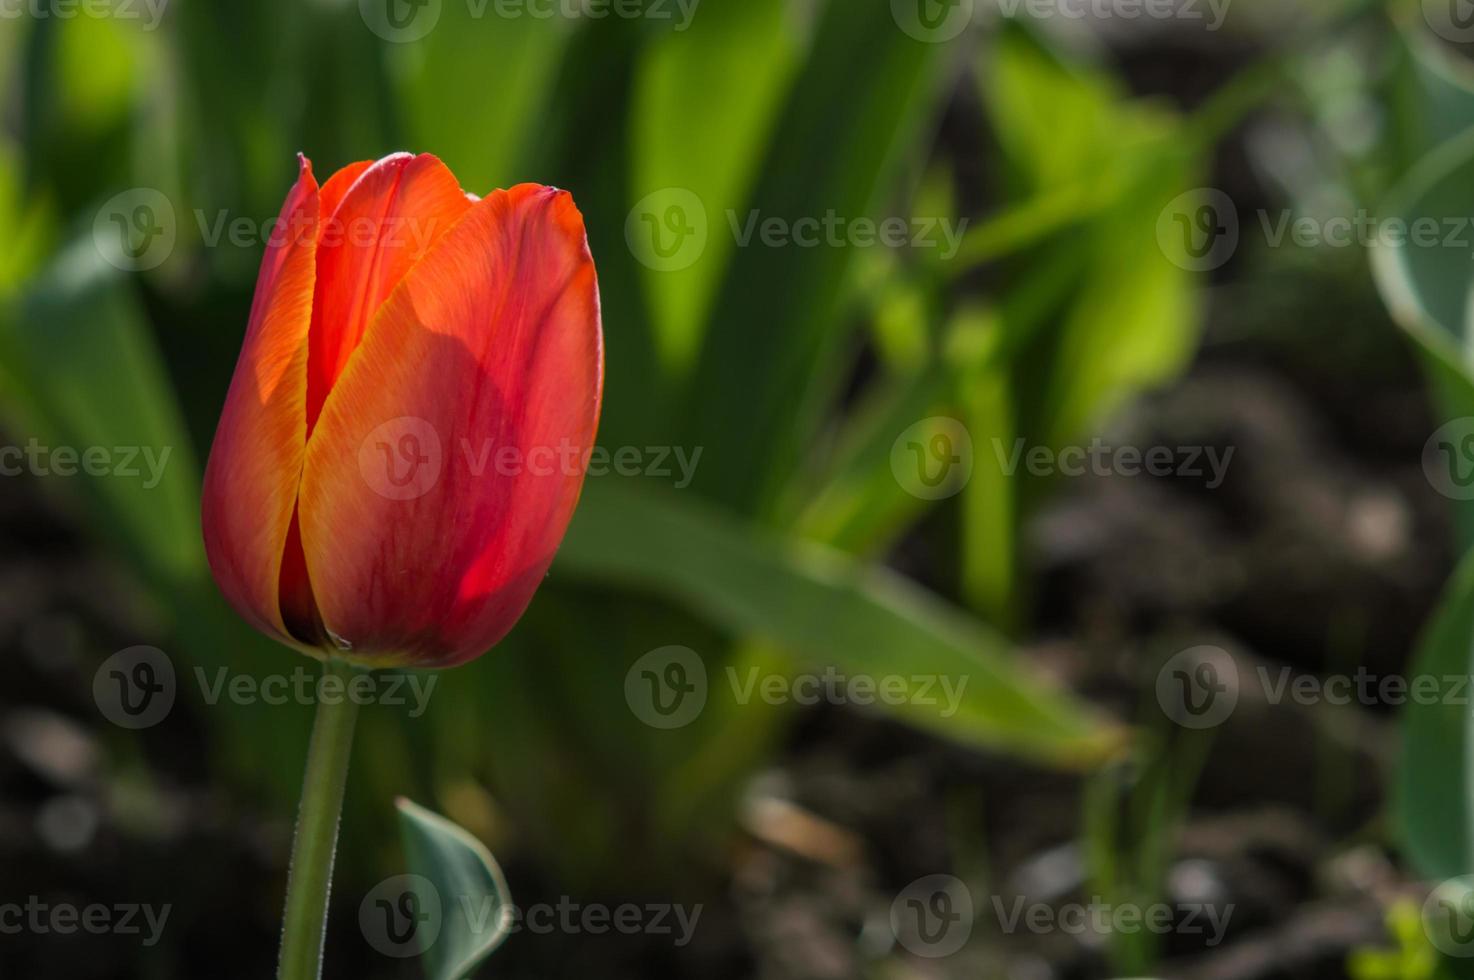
476	903
1425	272
29	225
476	91
757	394
824	608
1135	319
702	118
1434	797
857	504
1054	120
1433	95
80	332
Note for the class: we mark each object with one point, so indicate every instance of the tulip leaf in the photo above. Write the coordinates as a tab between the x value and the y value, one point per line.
1425	277
1435	789
506	66
474	901
702	121
1433	94
824	608
772	344
122	447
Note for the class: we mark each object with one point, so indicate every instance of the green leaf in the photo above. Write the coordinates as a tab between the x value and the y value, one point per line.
1425	281
1432	99
1425	278
79	330
475	90
824	608
1056	121
1434	799
822	161
701	121
1135	318
475	902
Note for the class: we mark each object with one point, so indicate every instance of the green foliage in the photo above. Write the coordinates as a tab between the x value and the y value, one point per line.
775	557
475	901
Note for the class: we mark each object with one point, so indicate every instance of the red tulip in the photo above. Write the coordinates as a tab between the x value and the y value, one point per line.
405	437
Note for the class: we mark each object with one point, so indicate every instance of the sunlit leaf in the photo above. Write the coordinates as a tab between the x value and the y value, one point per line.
78	331
475	903
1435	794
824	608
701	121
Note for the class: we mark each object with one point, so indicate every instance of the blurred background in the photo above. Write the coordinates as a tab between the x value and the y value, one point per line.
1039	442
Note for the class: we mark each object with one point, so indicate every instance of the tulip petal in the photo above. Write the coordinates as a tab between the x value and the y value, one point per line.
450	454
393	213
255	465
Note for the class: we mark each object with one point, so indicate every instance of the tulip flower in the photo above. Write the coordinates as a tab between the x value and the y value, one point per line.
404	440
402	445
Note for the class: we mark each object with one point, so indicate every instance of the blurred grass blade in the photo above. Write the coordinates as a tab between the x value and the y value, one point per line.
1434	799
702	119
1056	122
823	161
476	905
1425	278
824	608
1432	96
511	62
79	331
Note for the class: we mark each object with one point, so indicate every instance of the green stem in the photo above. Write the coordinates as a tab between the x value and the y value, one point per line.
311	875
